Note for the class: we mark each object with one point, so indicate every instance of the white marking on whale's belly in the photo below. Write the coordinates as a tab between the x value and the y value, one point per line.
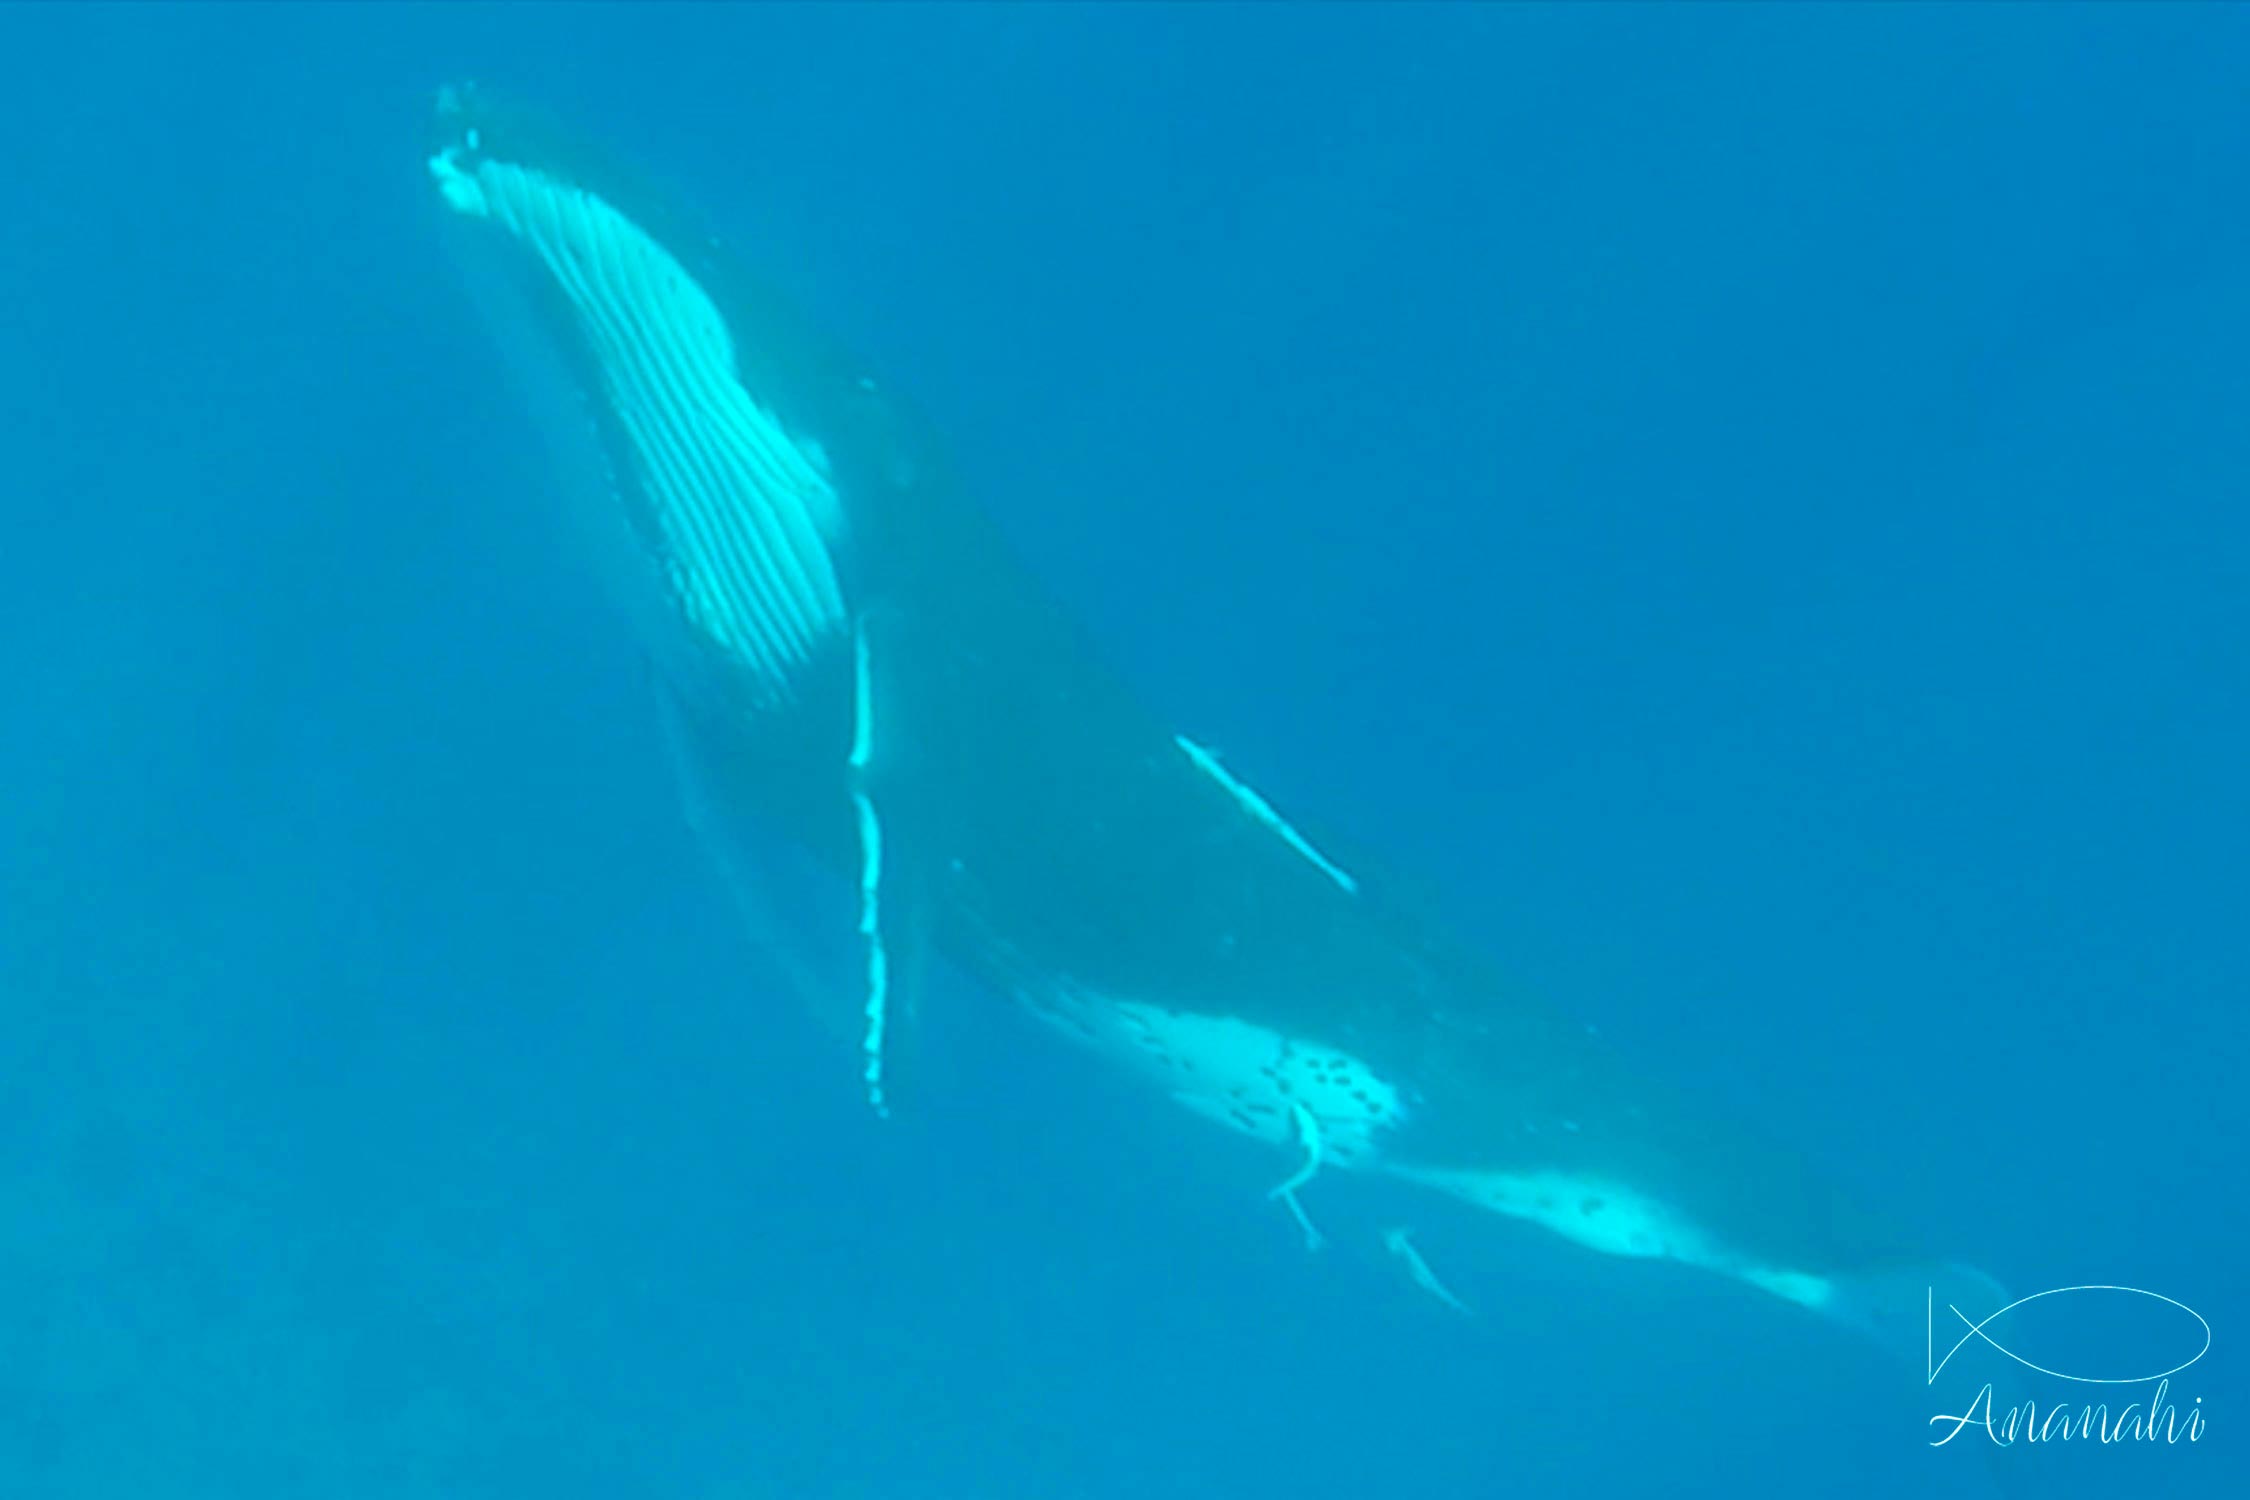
1603	1216
1264	1084
1246	1077
1800	1287
1613	1219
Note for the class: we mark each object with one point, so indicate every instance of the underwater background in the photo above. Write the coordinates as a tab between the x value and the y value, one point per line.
1746	505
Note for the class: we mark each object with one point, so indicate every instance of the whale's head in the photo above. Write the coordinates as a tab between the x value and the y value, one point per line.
719	510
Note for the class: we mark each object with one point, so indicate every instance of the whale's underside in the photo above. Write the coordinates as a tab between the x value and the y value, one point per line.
852	660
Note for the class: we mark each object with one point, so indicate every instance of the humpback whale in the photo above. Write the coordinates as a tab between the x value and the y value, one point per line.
851	660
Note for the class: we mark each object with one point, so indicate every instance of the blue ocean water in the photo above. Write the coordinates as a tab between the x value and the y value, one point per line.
1746	505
